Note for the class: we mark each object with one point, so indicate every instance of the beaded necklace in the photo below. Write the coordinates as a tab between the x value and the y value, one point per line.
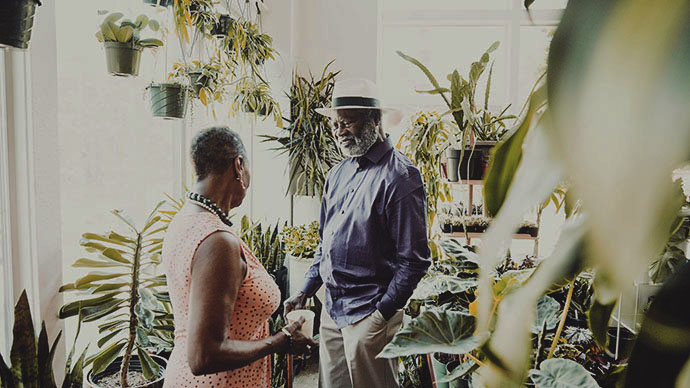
210	206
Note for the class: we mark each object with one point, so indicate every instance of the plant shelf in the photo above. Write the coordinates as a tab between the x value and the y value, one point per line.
517	236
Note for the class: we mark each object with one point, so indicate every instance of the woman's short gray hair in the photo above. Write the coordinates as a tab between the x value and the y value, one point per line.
215	149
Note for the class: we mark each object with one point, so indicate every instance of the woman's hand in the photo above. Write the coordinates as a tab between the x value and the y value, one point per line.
300	343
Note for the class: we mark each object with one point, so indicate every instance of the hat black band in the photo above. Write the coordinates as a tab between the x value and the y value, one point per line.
356	101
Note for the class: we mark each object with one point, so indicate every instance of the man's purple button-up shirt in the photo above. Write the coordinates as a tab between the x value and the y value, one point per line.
373	229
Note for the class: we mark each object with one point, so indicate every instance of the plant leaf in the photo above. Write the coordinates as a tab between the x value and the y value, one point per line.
562	373
107	356
149	367
435	331
23	354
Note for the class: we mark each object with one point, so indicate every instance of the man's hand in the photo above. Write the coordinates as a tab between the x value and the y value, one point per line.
295	302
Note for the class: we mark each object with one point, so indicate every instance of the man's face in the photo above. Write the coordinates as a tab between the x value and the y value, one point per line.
354	131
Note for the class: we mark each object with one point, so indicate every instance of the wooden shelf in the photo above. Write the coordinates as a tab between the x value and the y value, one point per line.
517	236
464	182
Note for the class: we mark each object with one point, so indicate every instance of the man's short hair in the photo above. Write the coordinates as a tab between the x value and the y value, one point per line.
215	149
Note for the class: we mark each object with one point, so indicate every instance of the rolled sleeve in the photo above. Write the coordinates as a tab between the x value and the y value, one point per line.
407	224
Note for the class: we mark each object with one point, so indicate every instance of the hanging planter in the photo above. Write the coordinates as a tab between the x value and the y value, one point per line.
16	22
122	59
248	108
198	80
168	101
162	3
220	29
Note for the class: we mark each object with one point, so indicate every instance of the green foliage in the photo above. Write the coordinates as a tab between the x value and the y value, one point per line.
126	302
673	255
32	359
255	97
301	241
127	31
435	331
562	373
309	141
469	116
266	246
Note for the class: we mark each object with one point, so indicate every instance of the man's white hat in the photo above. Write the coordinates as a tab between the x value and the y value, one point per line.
359	93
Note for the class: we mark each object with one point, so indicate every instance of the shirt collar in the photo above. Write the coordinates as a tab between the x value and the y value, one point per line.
376	152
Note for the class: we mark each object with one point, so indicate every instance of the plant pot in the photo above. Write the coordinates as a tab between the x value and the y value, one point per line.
168	101
248	109
532	231
220	29
470	229
452	164
457	383
440	371
447	228
625	342
16	22
197	80
297	270
162	3
134	365
122	59
477	160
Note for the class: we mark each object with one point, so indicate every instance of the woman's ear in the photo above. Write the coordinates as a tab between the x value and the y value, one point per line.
240	165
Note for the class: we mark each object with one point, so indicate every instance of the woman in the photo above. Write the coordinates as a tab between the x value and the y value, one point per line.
221	295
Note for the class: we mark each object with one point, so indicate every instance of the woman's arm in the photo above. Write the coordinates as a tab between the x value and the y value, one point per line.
217	274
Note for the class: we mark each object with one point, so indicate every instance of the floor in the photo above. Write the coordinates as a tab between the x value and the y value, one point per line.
309	377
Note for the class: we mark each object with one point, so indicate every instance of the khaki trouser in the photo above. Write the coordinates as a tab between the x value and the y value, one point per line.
347	357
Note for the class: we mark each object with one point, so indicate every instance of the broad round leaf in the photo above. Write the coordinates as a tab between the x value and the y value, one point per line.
562	373
547	312
435	331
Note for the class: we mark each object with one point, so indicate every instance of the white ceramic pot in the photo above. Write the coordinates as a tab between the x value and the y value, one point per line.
297	269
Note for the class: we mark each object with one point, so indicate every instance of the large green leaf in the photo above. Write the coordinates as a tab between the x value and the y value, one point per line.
435	331
547	314
92	277
90	263
72	309
149	367
507	154
598	318
107	356
562	373
96	312
438	284
45	359
23	354
109	239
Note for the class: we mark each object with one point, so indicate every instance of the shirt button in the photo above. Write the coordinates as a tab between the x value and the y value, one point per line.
342	212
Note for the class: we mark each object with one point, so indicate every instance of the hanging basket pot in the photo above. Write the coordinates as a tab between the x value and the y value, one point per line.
247	108
122	59
162	3
16	22
168	101
220	29
197	80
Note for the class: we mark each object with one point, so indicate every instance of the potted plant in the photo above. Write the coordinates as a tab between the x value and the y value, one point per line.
309	140
16	22
529	227
208	81
300	245
122	42
439	364
169	100
32	359
197	15
121	293
255	97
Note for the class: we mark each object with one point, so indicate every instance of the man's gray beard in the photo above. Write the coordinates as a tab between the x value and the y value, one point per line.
362	144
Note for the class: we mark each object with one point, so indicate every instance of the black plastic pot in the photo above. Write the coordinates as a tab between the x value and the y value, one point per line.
470	229
625	342
163	3
134	365
220	29
197	80
478	161
122	59
168	101
446	228
16	22
529	230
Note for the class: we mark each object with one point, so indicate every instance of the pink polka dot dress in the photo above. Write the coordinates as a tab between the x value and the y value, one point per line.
258	299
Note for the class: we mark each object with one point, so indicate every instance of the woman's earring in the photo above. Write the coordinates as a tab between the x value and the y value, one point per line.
241	183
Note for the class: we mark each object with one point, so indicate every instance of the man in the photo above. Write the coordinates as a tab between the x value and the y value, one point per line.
373	249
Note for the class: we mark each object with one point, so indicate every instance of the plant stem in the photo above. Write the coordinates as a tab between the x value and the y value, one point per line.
475	359
133	299
562	323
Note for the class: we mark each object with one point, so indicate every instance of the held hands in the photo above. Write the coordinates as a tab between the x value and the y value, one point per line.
299	344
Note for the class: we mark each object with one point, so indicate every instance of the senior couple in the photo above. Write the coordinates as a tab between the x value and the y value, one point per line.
372	254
